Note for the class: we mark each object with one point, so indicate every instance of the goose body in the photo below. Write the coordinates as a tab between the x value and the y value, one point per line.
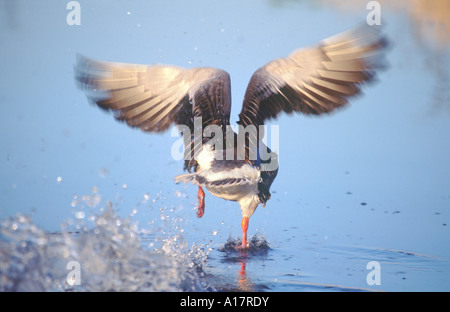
237	183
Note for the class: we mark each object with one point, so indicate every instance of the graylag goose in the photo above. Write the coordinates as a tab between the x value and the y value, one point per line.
235	166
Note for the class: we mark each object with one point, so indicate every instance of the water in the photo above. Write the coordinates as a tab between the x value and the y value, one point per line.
97	250
112	253
82	193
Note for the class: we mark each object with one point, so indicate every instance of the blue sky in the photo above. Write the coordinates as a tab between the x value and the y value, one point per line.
390	148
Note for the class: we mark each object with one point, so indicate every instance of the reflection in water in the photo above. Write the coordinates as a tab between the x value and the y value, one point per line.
258	250
243	283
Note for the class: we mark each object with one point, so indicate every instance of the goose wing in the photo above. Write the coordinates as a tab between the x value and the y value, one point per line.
314	80
153	97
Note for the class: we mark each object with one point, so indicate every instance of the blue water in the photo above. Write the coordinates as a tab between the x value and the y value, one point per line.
119	254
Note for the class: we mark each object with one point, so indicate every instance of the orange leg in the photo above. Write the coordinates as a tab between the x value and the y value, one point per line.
201	202
244	226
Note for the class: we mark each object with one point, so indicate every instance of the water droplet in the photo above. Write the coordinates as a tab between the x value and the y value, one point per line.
103	172
80	215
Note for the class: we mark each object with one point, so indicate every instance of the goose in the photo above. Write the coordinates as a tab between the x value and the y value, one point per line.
235	166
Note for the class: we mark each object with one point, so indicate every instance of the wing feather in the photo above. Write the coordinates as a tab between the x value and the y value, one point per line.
154	97
315	80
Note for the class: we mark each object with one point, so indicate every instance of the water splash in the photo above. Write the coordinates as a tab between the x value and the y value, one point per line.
113	254
258	247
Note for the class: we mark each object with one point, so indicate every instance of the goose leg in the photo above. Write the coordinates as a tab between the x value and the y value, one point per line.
201	202
244	226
